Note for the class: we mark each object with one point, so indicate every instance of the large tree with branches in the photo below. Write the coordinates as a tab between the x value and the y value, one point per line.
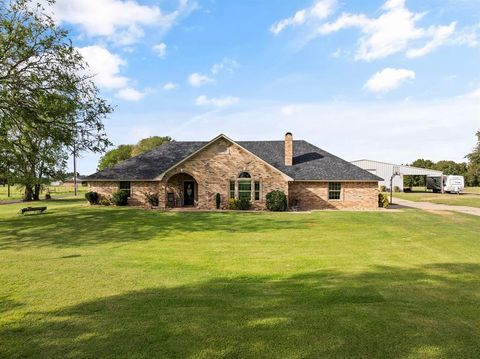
48	103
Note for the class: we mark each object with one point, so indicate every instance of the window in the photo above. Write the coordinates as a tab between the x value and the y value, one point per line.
232	189
125	186
244	175
245	189
334	190
257	190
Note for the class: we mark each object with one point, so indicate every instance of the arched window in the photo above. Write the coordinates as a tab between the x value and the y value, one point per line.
244	187
244	175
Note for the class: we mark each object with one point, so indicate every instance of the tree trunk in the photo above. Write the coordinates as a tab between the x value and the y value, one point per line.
28	193
36	193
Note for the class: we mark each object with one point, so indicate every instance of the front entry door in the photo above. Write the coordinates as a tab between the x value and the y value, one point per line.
188	193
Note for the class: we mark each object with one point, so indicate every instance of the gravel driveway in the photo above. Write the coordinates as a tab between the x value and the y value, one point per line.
428	206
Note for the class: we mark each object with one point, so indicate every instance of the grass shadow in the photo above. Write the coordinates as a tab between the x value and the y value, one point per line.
388	312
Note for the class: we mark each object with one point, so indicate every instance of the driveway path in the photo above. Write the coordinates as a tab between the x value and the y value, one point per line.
428	206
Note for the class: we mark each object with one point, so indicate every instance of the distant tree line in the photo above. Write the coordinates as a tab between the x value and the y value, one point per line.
49	107
470	169
124	152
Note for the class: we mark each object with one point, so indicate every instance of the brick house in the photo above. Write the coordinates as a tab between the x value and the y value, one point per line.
192	173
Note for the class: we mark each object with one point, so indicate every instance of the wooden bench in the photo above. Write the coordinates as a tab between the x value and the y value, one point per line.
33	209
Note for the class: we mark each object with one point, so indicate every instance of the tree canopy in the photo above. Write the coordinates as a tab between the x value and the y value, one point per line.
48	106
124	152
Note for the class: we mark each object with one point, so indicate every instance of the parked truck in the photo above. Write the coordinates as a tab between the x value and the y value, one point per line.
451	184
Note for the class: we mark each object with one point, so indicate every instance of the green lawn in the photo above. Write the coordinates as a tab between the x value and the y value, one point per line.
471	197
100	282
16	192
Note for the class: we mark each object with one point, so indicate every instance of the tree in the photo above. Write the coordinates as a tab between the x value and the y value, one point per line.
124	152
148	144
48	106
473	170
115	156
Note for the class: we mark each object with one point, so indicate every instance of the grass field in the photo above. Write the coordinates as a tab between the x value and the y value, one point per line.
99	282
471	197
16	192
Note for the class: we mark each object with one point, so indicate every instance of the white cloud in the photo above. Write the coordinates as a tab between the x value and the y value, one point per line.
319	11
439	35
105	68
227	64
197	80
118	20
160	50
475	94
394	30
218	102
288	110
130	94
388	79
170	86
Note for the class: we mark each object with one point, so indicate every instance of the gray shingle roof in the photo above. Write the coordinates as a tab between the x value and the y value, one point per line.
309	162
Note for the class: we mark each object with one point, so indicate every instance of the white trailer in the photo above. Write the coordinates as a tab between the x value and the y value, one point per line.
451	184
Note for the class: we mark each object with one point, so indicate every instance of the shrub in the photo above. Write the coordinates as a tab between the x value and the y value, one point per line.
120	198
396	189
92	197
105	201
218	200
276	201
383	200
383	188
232	203
244	204
152	198
48	196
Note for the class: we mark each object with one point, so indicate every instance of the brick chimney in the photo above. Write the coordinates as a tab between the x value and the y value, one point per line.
288	149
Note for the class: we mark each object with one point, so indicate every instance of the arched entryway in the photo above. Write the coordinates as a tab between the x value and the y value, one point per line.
181	191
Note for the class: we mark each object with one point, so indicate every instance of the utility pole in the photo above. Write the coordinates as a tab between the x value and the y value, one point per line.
75	168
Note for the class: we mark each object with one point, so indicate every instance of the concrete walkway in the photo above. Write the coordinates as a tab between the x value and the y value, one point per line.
428	206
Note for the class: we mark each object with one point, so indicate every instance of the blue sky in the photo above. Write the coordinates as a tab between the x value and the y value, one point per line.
387	80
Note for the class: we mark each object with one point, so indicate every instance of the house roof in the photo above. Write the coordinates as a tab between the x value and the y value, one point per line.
310	163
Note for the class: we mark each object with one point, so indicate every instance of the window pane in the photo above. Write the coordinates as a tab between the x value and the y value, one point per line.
125	186
232	186
244	186
334	190
257	191
244	175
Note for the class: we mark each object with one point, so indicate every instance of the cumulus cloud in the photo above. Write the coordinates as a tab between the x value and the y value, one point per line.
170	86
196	79
318	11
105	68
388	79
288	110
118	20
160	50
218	102
130	94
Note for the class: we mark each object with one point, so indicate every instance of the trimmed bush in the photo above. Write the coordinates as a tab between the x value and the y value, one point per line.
152	198
92	197
218	200
232	203
120	198
383	200
104	201
244	204
276	201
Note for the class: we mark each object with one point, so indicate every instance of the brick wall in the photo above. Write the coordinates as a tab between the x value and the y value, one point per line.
138	188
314	195
221	161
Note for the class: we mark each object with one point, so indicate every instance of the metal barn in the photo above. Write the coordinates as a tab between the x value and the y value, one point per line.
386	170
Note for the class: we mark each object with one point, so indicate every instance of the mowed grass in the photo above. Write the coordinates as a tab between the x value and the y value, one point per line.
470	198
17	192
96	282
